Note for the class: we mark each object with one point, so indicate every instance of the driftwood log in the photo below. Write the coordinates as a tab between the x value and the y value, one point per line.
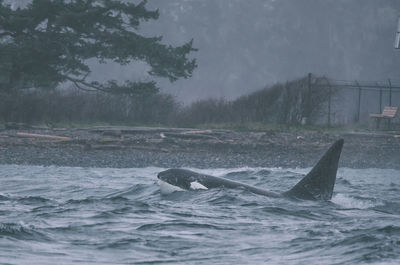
43	136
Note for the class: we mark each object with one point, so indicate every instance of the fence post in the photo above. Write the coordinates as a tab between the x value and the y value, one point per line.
329	103
308	107
390	93
380	99
359	102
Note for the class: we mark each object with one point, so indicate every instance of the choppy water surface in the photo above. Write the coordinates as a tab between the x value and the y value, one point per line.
61	215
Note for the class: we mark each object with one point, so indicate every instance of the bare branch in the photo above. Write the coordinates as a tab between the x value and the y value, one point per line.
79	83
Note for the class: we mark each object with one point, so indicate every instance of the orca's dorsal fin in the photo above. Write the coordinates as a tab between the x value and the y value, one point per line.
319	182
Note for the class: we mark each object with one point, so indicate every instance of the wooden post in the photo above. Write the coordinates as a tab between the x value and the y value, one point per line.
380	97
329	103
308	106
359	102
390	93
380	100
390	100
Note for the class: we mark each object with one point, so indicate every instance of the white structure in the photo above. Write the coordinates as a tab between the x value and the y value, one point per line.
397	40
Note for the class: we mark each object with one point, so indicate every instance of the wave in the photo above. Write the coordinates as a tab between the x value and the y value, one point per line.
21	231
93	200
33	200
122	244
388	207
371	245
180	225
291	213
4	198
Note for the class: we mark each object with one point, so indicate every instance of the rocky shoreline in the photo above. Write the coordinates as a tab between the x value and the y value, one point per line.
125	147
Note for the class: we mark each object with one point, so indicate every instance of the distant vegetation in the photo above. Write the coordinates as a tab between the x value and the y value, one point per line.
285	103
280	104
76	106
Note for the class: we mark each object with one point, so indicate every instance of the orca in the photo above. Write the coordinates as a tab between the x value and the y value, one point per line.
318	184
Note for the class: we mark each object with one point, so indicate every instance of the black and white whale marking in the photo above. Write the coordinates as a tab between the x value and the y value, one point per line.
316	185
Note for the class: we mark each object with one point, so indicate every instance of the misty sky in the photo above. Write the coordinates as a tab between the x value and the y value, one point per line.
246	45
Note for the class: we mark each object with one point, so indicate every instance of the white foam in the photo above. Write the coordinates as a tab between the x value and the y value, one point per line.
349	202
197	186
167	188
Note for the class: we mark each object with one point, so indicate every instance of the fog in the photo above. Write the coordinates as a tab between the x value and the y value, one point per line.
246	45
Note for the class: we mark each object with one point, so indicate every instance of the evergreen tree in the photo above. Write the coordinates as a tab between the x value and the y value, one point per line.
49	42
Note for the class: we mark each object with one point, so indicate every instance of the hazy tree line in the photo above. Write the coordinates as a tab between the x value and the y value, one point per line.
77	106
280	104
287	103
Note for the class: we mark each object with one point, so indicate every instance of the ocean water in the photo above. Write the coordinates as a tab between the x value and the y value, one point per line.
64	215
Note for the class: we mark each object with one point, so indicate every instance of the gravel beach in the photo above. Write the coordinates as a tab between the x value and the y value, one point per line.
125	147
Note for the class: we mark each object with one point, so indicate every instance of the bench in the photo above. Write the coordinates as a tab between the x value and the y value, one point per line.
388	114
